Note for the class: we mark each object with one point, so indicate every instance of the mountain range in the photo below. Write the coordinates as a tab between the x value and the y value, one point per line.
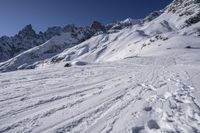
28	49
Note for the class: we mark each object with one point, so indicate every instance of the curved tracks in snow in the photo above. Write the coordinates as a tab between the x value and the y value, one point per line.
105	98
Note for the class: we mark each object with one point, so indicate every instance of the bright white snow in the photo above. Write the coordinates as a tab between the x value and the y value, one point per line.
144	78
146	93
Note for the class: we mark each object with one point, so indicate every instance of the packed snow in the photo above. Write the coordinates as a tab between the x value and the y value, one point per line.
147	94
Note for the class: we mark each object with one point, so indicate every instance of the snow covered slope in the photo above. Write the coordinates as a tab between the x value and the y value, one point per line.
27	38
141	94
169	25
61	39
115	41
31	57
141	78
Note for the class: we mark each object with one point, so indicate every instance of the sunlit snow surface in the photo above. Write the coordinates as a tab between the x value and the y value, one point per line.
147	94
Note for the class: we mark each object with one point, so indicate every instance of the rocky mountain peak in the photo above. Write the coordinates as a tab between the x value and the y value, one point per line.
28	27
27	31
27	38
97	26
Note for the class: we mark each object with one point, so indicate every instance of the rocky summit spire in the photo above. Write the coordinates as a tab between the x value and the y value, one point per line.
97	26
27	31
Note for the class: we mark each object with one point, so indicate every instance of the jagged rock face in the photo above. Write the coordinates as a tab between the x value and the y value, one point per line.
176	5
193	20
5	48
152	16
66	39
97	26
183	7
52	31
27	31
27	38
188	8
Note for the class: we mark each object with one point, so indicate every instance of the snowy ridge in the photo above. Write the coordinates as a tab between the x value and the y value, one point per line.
114	41
119	25
30	58
61	39
27	38
130	41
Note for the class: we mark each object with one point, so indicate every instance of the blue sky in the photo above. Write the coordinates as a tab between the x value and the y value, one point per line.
15	14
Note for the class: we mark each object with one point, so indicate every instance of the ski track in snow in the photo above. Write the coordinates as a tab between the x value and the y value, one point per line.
105	98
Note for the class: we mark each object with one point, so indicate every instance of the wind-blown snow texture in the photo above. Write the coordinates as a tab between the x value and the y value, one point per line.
131	76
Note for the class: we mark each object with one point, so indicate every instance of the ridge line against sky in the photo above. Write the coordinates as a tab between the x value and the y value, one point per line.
15	14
